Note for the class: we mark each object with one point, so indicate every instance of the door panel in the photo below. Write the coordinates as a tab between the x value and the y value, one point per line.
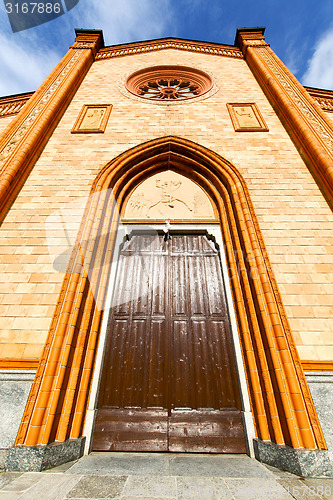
136	429
169	380
206	431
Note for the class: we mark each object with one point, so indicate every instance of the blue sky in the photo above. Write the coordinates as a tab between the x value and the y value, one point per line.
299	31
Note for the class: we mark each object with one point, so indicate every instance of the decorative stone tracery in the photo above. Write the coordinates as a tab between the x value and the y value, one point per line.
169	83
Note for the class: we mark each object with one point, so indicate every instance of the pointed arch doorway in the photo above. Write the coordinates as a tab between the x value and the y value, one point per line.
169	380
61	404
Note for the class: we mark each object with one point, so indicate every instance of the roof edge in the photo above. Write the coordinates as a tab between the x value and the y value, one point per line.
167	39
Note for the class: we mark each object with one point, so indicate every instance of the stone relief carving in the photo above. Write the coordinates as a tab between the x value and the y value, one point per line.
325	104
168	195
12	107
246	116
93	118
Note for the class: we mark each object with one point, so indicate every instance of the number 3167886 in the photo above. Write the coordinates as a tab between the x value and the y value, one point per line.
33	7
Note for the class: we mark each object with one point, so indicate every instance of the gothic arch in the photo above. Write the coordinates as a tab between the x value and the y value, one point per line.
281	402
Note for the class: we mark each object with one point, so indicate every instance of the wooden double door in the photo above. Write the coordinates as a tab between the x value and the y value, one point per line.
169	380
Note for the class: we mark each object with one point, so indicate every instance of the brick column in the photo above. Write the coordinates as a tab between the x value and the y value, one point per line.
302	116
25	137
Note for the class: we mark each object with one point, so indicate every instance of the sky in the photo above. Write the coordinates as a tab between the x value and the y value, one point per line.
299	31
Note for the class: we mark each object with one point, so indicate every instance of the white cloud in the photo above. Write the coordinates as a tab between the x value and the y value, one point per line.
125	20
23	67
320	68
26	58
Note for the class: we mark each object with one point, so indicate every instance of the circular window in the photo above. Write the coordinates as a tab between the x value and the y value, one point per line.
169	83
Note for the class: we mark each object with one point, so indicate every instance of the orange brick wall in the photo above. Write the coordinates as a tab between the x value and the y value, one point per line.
295	220
330	115
4	121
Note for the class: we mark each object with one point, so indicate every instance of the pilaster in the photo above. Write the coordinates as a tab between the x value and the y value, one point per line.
302	116
25	137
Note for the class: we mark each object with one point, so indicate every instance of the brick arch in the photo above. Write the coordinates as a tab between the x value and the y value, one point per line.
281	402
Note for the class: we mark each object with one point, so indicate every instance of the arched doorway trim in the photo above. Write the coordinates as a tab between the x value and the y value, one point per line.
282	406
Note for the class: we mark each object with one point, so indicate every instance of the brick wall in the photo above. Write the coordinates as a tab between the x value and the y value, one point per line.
4	121
295	220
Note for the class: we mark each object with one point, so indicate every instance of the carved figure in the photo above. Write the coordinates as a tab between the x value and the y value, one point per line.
246	116
93	117
168	204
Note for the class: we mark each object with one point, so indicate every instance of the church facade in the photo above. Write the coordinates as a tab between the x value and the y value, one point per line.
167	256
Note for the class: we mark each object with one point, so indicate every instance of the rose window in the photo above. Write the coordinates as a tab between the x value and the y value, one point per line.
169	83
169	89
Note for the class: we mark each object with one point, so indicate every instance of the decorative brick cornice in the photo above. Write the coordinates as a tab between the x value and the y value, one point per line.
169	43
250	37
88	39
18	364
317	366
323	97
10	106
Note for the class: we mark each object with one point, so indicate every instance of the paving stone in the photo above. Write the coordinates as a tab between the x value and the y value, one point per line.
98	487
202	487
150	487
7	495
255	489
217	465
23	482
300	488
50	487
61	468
323	487
122	464
147	498
8	477
280	473
318	484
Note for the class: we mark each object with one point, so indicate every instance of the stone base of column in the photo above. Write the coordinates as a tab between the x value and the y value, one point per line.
299	461
39	458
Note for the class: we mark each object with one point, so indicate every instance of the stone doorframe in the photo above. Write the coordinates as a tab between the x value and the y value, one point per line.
282	406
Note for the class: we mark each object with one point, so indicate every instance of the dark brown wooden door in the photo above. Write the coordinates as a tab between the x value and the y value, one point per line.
169	381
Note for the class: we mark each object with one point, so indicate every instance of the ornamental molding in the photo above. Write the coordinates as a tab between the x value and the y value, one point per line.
83	45
10	106
305	106
325	104
142	47
255	43
10	146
